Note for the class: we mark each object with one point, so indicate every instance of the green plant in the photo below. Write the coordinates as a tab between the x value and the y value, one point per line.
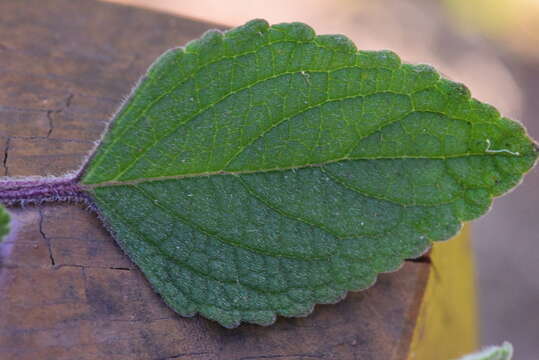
261	171
4	223
502	352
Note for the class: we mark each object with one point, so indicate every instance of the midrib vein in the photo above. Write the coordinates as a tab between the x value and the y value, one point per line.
89	187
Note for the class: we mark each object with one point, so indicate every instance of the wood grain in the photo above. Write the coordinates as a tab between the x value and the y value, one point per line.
66	290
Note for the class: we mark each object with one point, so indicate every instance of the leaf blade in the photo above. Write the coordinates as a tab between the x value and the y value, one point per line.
265	170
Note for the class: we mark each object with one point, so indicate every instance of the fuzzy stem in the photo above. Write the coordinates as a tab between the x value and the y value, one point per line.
23	191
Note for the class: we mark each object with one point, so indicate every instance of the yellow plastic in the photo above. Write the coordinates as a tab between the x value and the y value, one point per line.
447	324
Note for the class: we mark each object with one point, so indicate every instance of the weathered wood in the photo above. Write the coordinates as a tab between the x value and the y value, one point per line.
66	291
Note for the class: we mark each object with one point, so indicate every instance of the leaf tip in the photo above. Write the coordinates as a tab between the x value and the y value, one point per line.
501	352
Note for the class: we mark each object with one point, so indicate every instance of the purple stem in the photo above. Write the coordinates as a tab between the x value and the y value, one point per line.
22	191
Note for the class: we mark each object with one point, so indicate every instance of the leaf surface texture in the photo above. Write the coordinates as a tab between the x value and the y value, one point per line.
261	171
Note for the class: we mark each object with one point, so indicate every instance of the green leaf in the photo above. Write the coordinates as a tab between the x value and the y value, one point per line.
4	223
261	171
503	352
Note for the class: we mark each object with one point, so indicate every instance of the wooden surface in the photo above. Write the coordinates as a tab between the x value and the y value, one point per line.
66	291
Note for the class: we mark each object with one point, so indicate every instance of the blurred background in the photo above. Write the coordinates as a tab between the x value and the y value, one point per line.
490	45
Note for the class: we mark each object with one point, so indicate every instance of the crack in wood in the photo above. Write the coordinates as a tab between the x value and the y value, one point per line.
6	150
52	113
183	355
45	238
37	137
285	356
